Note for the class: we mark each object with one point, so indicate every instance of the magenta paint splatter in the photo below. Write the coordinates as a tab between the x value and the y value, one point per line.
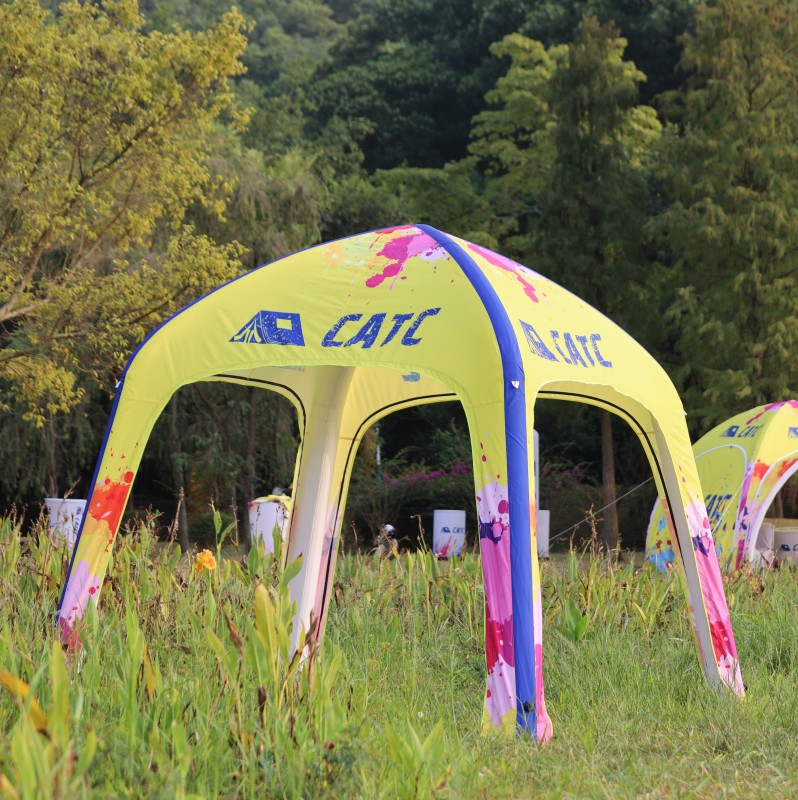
402	248
510	266
773	407
499	642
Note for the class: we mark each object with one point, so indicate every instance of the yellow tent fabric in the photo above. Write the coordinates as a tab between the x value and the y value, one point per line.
352	330
742	464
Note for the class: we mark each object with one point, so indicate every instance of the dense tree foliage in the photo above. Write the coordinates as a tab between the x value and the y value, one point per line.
103	146
732	230
651	27
415	72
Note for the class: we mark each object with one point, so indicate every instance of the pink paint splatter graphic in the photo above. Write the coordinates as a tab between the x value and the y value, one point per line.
726	654
773	407
744	513
500	697
82	587
510	266
448	548
494	541
69	639
714	599
760	469
402	248
498	639
722	639
493	508
543	721
104	509
786	465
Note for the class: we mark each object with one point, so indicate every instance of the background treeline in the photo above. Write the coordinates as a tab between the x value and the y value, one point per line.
642	154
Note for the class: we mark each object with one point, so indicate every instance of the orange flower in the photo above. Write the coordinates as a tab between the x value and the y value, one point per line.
205	559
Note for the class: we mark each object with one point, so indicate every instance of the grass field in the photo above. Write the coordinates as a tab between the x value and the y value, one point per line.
185	688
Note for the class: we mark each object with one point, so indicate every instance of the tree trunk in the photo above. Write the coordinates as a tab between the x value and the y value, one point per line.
609	524
778	506
178	476
50	437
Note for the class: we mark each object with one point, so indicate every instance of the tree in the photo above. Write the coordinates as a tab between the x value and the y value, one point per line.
732	229
287	41
287	38
410	75
590	231
570	144
450	198
512	138
275	204
103	145
651	27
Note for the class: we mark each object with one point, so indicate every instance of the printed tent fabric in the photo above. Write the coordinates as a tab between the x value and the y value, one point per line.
742	464
352	330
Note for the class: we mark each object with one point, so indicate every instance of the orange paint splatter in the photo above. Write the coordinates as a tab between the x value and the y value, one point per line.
785	465
108	500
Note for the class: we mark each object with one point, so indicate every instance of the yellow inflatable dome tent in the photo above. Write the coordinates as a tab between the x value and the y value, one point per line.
354	329
742	464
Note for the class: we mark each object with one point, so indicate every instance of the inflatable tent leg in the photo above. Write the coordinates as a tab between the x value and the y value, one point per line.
105	504
542	721
513	619
315	516
703	584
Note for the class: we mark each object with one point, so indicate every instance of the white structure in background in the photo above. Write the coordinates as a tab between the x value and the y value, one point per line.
448	532
266	513
785	543
65	518
543	533
543	516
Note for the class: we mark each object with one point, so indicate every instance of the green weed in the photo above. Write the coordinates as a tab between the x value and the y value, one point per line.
187	686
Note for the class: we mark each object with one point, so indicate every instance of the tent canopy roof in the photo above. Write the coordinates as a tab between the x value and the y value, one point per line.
444	315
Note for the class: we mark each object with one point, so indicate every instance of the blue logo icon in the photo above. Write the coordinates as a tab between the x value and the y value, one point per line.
792	433
272	327
731	431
